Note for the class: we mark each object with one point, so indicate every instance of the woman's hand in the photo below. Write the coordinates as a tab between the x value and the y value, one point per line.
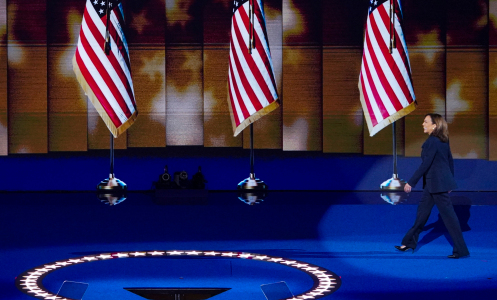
407	188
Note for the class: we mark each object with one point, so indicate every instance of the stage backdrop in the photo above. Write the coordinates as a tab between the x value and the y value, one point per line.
179	58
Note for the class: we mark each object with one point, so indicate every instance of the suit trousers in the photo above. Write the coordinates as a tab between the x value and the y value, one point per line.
449	217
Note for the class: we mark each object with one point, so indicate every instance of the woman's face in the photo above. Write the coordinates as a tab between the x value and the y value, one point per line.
428	125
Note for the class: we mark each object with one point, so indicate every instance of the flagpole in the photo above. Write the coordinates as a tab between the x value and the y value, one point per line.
394	183
392	26
251	26
252	189
111	190
394	150
107	34
252	148
111	154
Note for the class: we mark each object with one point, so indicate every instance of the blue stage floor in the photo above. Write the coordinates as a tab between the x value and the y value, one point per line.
350	234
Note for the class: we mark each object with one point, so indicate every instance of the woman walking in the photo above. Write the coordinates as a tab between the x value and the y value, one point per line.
437	170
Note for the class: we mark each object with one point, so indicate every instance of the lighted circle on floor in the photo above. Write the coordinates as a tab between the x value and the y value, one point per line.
325	281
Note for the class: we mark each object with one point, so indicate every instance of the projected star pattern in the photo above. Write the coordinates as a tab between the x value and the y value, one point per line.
325	281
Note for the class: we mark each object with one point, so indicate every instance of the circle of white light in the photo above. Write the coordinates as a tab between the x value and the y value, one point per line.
325	281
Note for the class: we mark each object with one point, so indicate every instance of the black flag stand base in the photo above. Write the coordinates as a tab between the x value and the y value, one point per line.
112	184
394	183
112	191
252	190
393	188
252	183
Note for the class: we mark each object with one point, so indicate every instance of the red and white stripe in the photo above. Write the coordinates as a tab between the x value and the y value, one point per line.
385	82
251	83
107	76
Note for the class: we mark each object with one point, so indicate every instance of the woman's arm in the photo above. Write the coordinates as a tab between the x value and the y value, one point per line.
451	162
428	154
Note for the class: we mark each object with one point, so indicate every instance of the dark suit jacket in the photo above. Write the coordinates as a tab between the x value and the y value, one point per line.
437	168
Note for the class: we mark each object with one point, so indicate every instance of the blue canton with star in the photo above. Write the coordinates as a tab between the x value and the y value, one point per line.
100	6
373	4
238	3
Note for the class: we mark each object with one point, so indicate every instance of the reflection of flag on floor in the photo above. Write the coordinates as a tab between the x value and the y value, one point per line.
106	79
385	82
251	85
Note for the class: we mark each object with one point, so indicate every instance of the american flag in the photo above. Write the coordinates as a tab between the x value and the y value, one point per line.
251	84
106	79
385	82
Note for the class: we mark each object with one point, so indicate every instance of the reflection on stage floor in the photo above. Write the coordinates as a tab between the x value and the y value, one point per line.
351	234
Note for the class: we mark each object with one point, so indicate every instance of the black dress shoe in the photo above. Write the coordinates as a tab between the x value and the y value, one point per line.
403	248
455	256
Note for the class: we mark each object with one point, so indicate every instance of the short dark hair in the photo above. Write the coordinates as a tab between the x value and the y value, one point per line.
441	130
